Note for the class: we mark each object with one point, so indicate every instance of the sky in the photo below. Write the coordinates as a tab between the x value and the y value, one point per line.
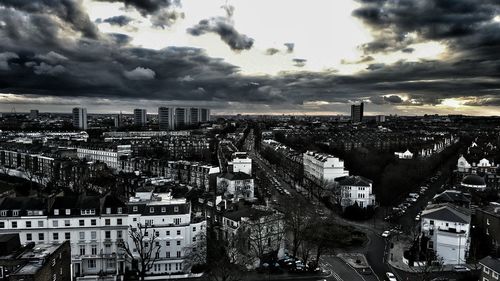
403	57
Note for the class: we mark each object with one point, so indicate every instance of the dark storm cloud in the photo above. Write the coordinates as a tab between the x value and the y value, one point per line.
118	20
68	11
393	20
225	29
146	7
44	52
272	51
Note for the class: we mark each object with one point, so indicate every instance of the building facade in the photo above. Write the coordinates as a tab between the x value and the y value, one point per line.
448	228
80	118
357	113
323	168
236	185
356	190
140	117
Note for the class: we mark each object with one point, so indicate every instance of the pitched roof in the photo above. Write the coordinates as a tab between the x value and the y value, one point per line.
447	212
355	181
451	196
491	263
236	176
22	203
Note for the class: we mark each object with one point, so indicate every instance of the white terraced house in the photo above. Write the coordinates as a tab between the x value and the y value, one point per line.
97	227
320	167
356	189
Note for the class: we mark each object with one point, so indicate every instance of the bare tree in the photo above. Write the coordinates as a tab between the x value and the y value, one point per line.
196	253
143	249
297	218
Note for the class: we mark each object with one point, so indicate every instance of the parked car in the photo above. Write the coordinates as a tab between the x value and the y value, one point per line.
391	277
460	268
386	233
417	218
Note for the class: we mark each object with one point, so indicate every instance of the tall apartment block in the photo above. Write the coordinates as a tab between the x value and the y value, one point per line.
171	118
80	118
357	113
140	117
166	118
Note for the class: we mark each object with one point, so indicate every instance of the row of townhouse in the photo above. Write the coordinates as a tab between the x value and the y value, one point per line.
98	229
191	173
321	168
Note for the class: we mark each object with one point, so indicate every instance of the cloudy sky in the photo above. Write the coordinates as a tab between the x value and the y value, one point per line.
261	56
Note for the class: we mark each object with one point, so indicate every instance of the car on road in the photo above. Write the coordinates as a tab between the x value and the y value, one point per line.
386	233
390	276
411	199
461	268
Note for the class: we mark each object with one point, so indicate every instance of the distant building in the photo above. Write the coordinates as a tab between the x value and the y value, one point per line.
41	262
241	163
322	168
205	115
490	269
181	117
357	113
356	190
118	120
195	115
448	228
452	196
80	118
380	118
140	117
166	118
404	155
34	114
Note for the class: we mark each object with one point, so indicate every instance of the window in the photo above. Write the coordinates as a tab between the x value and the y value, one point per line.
431	222
177	221
168	232
486	270
176	209
55	223
28	224
15	213
178	232
14	224
178	242
151	209
92	264
488	221
82	235
119	210
168	243
3	213
67	235
56	212
163	209
2	224
167	255
178	254
94	250
68	211
93	222
81	222
28	236
93	235
41	236
55	236
67	222
119	221
134	208
146	233
194	228
107	234
194	239
119	234
107	222
82	250
108	211
40	223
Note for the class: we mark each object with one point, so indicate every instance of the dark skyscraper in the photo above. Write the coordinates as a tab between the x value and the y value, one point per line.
357	113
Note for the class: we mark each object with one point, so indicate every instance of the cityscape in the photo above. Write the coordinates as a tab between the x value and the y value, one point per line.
346	140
